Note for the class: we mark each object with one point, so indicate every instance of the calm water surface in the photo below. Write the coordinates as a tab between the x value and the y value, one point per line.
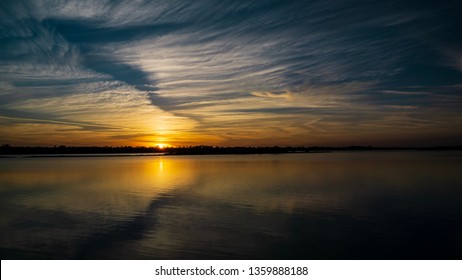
351	205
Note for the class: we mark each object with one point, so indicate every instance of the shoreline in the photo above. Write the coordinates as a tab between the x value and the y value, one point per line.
189	153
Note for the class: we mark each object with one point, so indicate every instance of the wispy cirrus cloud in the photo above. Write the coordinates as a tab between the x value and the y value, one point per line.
256	71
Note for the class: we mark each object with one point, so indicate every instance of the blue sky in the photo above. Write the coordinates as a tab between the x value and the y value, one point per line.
231	72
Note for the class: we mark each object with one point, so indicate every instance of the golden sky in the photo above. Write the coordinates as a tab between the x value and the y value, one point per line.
234	73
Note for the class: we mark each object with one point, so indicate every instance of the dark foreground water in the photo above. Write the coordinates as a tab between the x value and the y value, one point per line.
351	205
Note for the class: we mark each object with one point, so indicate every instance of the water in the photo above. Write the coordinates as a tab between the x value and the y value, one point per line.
350	205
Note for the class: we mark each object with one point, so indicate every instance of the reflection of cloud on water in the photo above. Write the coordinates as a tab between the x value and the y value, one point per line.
113	187
317	183
53	204
331	209
339	205
119	241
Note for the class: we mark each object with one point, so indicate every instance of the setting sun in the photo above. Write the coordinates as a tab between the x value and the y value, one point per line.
161	146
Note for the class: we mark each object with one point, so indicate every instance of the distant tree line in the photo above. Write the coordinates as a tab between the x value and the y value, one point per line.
7	149
196	150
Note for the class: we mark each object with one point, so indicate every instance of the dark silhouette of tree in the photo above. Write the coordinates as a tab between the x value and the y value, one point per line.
63	150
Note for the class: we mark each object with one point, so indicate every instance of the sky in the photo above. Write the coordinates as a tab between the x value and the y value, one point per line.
231	72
